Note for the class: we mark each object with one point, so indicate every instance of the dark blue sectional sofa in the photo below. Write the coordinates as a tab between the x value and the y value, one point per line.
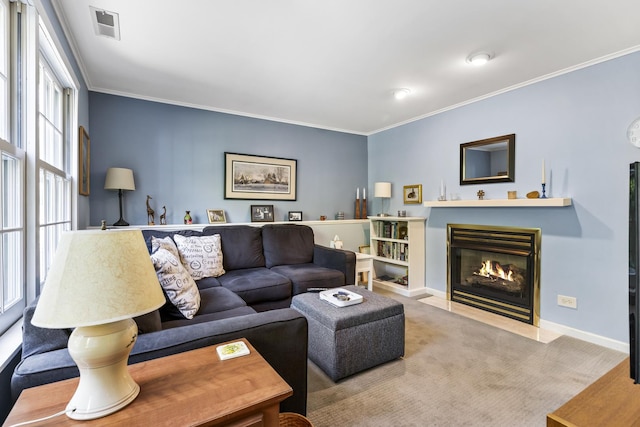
264	268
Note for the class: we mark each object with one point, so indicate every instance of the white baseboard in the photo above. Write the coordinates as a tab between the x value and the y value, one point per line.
585	336
565	330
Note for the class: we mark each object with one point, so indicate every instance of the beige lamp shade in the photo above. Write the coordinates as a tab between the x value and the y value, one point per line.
119	179
382	189
97	277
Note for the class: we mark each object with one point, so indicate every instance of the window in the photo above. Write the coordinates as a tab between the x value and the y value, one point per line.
37	126
12	184
54	180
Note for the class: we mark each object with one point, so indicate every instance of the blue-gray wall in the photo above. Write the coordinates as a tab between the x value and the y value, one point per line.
177	155
577	122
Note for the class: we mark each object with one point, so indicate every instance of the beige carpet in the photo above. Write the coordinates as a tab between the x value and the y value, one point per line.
459	372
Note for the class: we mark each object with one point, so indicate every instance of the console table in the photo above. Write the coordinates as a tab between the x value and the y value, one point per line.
192	388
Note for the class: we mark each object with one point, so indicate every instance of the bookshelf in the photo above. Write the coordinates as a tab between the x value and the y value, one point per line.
397	245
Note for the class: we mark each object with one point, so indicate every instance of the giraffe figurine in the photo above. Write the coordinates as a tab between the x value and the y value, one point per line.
163	216
150	212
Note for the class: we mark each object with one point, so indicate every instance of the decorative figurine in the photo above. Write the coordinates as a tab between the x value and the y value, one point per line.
187	218
163	216
150	213
103	226
480	194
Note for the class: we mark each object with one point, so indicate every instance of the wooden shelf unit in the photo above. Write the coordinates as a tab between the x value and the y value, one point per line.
398	249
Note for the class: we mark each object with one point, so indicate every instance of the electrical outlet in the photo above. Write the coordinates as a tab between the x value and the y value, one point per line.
565	301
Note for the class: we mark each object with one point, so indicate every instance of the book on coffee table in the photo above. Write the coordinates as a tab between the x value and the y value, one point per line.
231	350
340	297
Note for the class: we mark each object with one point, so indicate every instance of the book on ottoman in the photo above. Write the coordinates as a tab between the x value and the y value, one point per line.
340	297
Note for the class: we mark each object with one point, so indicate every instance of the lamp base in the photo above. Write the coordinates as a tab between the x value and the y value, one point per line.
101	353
121	223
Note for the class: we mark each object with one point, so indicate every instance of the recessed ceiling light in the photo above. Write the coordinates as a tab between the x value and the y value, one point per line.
401	93
479	58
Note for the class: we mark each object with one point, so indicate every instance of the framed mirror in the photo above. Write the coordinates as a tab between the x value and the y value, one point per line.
488	160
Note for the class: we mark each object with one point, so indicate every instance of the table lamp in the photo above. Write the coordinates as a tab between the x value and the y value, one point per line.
382	190
119	179
98	281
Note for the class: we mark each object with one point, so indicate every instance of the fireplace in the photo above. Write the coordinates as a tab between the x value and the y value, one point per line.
496	269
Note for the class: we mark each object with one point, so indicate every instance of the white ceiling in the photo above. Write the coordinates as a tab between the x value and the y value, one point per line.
333	63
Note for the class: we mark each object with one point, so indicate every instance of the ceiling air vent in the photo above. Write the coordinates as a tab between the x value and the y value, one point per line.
105	23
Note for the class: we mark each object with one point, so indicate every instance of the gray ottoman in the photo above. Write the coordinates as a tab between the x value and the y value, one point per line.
346	340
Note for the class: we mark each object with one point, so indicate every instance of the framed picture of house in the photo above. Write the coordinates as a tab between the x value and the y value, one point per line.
412	194
216	216
84	162
295	215
259	178
261	213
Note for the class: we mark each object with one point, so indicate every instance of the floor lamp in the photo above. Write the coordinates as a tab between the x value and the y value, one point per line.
119	179
382	190
98	281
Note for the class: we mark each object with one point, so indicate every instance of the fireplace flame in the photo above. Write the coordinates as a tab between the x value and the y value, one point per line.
493	269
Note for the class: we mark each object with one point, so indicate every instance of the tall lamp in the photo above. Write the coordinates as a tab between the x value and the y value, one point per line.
382	190
98	281
119	179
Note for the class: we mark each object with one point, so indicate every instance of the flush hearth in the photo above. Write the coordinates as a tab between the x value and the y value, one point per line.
495	269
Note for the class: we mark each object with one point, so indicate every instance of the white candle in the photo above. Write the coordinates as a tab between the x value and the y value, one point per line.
364	193
358	193
543	172
442	191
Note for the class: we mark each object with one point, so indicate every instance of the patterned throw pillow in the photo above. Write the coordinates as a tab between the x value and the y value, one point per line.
165	243
200	255
176	282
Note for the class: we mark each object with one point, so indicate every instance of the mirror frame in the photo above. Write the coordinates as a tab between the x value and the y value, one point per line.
511	157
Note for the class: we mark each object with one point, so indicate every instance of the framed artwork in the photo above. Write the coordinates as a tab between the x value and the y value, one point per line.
84	162
216	216
412	194
261	213
259	178
295	215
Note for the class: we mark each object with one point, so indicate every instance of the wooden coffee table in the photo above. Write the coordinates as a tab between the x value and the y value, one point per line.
193	388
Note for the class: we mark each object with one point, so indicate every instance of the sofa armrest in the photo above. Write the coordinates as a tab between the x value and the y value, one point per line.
338	259
280	336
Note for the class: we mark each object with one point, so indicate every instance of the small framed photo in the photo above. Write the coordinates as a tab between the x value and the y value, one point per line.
412	194
216	216
295	215
261	213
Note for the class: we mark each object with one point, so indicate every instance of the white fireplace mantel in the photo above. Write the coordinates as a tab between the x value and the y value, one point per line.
501	203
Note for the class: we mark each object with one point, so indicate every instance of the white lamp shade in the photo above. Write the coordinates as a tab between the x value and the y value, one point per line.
119	179
96	277
382	189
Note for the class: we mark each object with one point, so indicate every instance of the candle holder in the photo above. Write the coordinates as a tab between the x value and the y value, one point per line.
363	214
544	196
358	208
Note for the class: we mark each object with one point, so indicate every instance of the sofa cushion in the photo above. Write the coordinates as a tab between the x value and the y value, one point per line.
213	300
176	282
149	322
207	282
305	276
149	233
165	243
200	255
257	284
40	340
205	318
241	245
287	244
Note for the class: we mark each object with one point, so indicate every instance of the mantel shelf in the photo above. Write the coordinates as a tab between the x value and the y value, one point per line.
500	203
